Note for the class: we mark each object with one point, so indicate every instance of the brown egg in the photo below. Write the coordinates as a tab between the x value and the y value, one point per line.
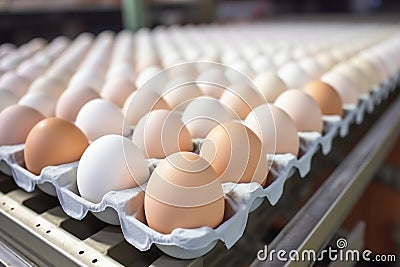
72	100
236	153
327	98
15	123
52	142
183	192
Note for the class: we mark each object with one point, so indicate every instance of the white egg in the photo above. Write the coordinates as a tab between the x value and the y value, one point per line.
100	117
41	101
293	75
239	72
48	85
7	98
157	81
87	78
110	163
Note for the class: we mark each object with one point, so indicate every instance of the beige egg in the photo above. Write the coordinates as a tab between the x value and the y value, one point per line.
183	192
275	129
241	99
270	85
30	70
235	153
72	100
161	133
203	114
16	121
141	102
303	110
117	90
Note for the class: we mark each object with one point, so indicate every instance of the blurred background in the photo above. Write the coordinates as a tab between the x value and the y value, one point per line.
21	20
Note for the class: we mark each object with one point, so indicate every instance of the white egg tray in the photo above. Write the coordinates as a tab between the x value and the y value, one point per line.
126	207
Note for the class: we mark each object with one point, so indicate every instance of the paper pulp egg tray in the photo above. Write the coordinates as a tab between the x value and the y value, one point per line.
126	207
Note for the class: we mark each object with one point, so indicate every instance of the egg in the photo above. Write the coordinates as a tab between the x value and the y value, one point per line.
40	101
212	82
293	75
51	142
110	163
141	102
203	114
179	91
311	66
16	121
355	75
48	85
327	98
88	78
269	85
368	69
100	117
15	83
325	60
239	72
262	64
72	100
275	129
30	70
154	73
235	153
161	133
241	99
7	98
117	90
121	70
343	85
183	192
303	110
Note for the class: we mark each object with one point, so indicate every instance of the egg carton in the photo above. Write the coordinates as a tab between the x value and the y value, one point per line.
125	207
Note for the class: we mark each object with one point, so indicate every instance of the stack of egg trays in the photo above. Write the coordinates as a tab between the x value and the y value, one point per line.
126	207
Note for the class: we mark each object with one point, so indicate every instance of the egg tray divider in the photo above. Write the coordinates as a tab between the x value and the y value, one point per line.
125	207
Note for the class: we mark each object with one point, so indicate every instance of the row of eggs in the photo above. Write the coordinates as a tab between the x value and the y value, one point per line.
238	125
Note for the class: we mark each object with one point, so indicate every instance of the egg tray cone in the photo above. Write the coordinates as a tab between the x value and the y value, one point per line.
126	207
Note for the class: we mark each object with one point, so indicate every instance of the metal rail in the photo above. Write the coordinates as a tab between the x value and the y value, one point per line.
322	215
